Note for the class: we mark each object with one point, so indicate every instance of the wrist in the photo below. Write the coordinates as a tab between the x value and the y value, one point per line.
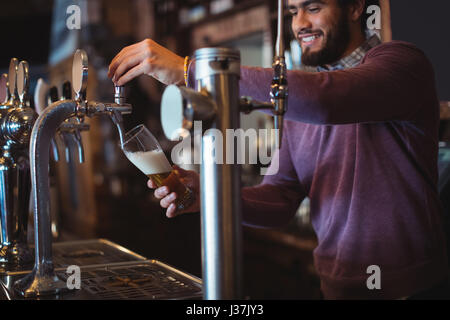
185	70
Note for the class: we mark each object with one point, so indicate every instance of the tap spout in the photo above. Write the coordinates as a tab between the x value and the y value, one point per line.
43	280
279	87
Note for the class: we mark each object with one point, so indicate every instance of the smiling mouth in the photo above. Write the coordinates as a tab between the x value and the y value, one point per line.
309	38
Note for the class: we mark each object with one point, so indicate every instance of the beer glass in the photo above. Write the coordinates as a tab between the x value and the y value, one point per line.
144	151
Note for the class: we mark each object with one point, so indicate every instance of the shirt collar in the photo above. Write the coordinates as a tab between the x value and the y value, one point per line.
355	57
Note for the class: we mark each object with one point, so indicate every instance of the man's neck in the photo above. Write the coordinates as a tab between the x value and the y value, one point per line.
357	39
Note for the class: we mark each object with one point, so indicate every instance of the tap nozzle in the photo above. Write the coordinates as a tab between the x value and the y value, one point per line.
279	94
119	95
279	88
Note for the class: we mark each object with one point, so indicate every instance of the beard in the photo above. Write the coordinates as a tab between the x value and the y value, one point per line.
335	45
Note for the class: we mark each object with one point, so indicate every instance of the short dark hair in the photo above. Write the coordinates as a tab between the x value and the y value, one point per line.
365	16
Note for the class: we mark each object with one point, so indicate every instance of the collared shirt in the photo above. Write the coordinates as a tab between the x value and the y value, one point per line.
355	57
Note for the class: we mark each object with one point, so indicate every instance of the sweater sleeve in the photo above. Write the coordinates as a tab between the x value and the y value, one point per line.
386	86
275	201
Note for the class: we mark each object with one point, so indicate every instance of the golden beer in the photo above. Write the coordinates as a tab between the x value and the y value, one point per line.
156	167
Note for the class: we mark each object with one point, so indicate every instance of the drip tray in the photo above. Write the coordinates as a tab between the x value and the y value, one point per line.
146	280
90	252
111	272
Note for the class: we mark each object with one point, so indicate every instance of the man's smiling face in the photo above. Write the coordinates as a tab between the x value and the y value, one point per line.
322	29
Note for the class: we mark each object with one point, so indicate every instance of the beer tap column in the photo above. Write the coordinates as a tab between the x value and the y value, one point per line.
216	104
218	72
43	280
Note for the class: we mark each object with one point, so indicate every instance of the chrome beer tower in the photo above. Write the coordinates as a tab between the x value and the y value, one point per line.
217	104
16	122
43	280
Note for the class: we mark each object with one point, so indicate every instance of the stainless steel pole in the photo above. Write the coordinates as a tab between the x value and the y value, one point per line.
217	72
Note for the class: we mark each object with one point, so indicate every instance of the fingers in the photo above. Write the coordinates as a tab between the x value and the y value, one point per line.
168	200
165	196
171	211
122	55
125	65
161	192
131	74
151	184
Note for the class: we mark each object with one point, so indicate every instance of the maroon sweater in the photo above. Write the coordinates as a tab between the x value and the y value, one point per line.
362	144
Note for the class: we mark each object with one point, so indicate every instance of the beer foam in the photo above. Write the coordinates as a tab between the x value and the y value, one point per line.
150	162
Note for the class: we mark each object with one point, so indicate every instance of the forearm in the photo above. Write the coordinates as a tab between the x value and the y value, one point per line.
269	205
384	88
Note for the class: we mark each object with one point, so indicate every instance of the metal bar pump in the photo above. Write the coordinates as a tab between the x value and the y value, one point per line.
43	280
216	103
16	122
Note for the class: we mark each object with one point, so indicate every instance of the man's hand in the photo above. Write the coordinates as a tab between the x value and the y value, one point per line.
191	180
146	57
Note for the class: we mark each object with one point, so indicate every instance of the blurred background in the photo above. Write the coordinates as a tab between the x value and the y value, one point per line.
107	197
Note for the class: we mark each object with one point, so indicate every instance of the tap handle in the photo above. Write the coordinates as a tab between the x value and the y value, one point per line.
53	95
12	77
80	74
4	91
66	91
23	81
40	95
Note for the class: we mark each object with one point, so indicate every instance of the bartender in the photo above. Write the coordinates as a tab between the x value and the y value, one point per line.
360	140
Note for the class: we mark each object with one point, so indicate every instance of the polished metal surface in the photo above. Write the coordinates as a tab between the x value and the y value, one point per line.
135	280
91	252
110	271
16	121
119	94
147	280
218	72
279	87
216	104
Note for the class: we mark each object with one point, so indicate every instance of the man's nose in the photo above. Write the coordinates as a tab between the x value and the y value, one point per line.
300	22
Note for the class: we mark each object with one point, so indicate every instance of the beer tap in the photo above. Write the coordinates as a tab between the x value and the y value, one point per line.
216	103
43	279
71	129
16	121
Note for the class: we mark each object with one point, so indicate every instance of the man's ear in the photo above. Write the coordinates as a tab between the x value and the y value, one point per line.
356	10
